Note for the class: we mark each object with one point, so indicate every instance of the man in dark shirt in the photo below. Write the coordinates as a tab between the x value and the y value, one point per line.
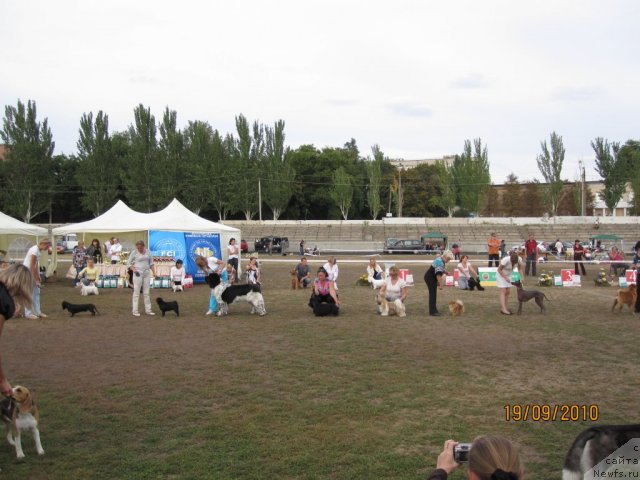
302	272
578	257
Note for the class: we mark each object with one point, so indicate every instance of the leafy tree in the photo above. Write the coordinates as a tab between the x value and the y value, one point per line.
139	174
448	192
511	198
27	167
171	164
420	190
613	171
532	205
66	204
374	174
472	176
629	154
98	169
248	154
221	166
550	166
342	192
277	170
198	175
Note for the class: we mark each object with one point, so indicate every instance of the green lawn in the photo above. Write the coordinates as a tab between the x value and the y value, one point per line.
293	396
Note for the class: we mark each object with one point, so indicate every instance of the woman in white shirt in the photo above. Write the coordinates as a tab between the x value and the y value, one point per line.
375	274
503	278
233	253
332	271
394	287
468	277
177	274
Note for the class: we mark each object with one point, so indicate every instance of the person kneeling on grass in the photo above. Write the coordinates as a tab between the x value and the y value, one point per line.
89	274
302	273
394	288
468	278
490	458
324	300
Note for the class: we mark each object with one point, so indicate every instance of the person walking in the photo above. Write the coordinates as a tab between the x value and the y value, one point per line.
32	262
140	262
531	248
493	248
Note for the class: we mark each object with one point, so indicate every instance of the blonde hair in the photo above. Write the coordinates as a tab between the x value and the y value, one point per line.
447	254
489	453
394	270
18	281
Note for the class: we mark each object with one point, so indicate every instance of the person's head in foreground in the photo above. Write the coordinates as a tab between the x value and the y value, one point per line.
490	458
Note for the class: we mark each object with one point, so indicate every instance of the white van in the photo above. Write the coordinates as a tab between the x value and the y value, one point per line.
69	242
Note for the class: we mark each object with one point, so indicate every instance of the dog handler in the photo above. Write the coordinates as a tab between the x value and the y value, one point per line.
141	264
16	292
435	278
503	279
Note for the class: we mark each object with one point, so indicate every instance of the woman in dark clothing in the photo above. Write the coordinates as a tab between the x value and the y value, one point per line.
636	261
95	251
435	278
578	257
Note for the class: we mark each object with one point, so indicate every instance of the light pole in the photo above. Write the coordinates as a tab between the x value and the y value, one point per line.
400	188
583	196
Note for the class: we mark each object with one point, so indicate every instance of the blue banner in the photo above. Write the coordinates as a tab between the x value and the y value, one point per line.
168	244
204	244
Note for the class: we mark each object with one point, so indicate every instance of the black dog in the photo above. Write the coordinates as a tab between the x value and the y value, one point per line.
82	307
168	306
250	293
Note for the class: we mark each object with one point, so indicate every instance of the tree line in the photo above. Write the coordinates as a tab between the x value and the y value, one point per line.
252	173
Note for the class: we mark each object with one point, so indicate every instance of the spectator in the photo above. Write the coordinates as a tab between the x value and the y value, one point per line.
578	257
90	273
455	249
140	262
435	279
531	249
636	260
302	273
331	267
79	259
375	274
468	277
232	254
615	257
177	274
32	262
253	272
323	292
16	293
493	246
232	275
302	247
559	248
95	251
503	278
107	246
394	287
115	250
490	458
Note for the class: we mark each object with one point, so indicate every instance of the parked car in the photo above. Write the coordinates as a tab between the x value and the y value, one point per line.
69	242
405	246
278	244
244	248
59	247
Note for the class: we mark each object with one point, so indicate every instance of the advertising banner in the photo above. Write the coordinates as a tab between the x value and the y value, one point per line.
203	244
487	276
168	244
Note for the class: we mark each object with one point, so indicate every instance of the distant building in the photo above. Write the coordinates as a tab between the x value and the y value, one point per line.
406	164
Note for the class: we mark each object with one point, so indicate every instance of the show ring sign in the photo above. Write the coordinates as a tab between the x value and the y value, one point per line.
488	276
185	246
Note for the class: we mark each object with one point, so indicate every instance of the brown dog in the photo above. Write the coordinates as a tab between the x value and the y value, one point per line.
295	284
456	308
625	297
20	414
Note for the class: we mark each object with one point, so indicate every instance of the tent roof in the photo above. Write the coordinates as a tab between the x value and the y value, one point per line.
178	218
432	235
120	218
605	236
11	226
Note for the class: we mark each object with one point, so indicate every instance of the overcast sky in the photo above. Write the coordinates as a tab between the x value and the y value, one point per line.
415	77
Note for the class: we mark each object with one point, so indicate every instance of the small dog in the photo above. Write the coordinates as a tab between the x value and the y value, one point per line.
295	283
176	288
20	414
88	290
390	308
594	445
456	308
625	297
250	293
168	306
526	295
81	307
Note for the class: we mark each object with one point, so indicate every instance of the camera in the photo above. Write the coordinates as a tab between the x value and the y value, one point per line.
461	452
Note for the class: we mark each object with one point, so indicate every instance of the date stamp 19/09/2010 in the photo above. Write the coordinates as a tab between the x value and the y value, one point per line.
550	413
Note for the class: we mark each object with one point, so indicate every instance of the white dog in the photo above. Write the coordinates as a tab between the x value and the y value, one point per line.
88	290
20	414
387	308
177	288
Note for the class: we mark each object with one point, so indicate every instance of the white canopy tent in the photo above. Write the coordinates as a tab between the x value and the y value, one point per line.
16	237
128	225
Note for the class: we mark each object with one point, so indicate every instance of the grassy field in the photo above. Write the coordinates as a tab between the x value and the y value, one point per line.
292	396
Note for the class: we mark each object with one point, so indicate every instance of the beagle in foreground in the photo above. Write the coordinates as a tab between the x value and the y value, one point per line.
20	414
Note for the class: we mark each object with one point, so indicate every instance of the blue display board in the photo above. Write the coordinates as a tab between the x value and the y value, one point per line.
185	246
